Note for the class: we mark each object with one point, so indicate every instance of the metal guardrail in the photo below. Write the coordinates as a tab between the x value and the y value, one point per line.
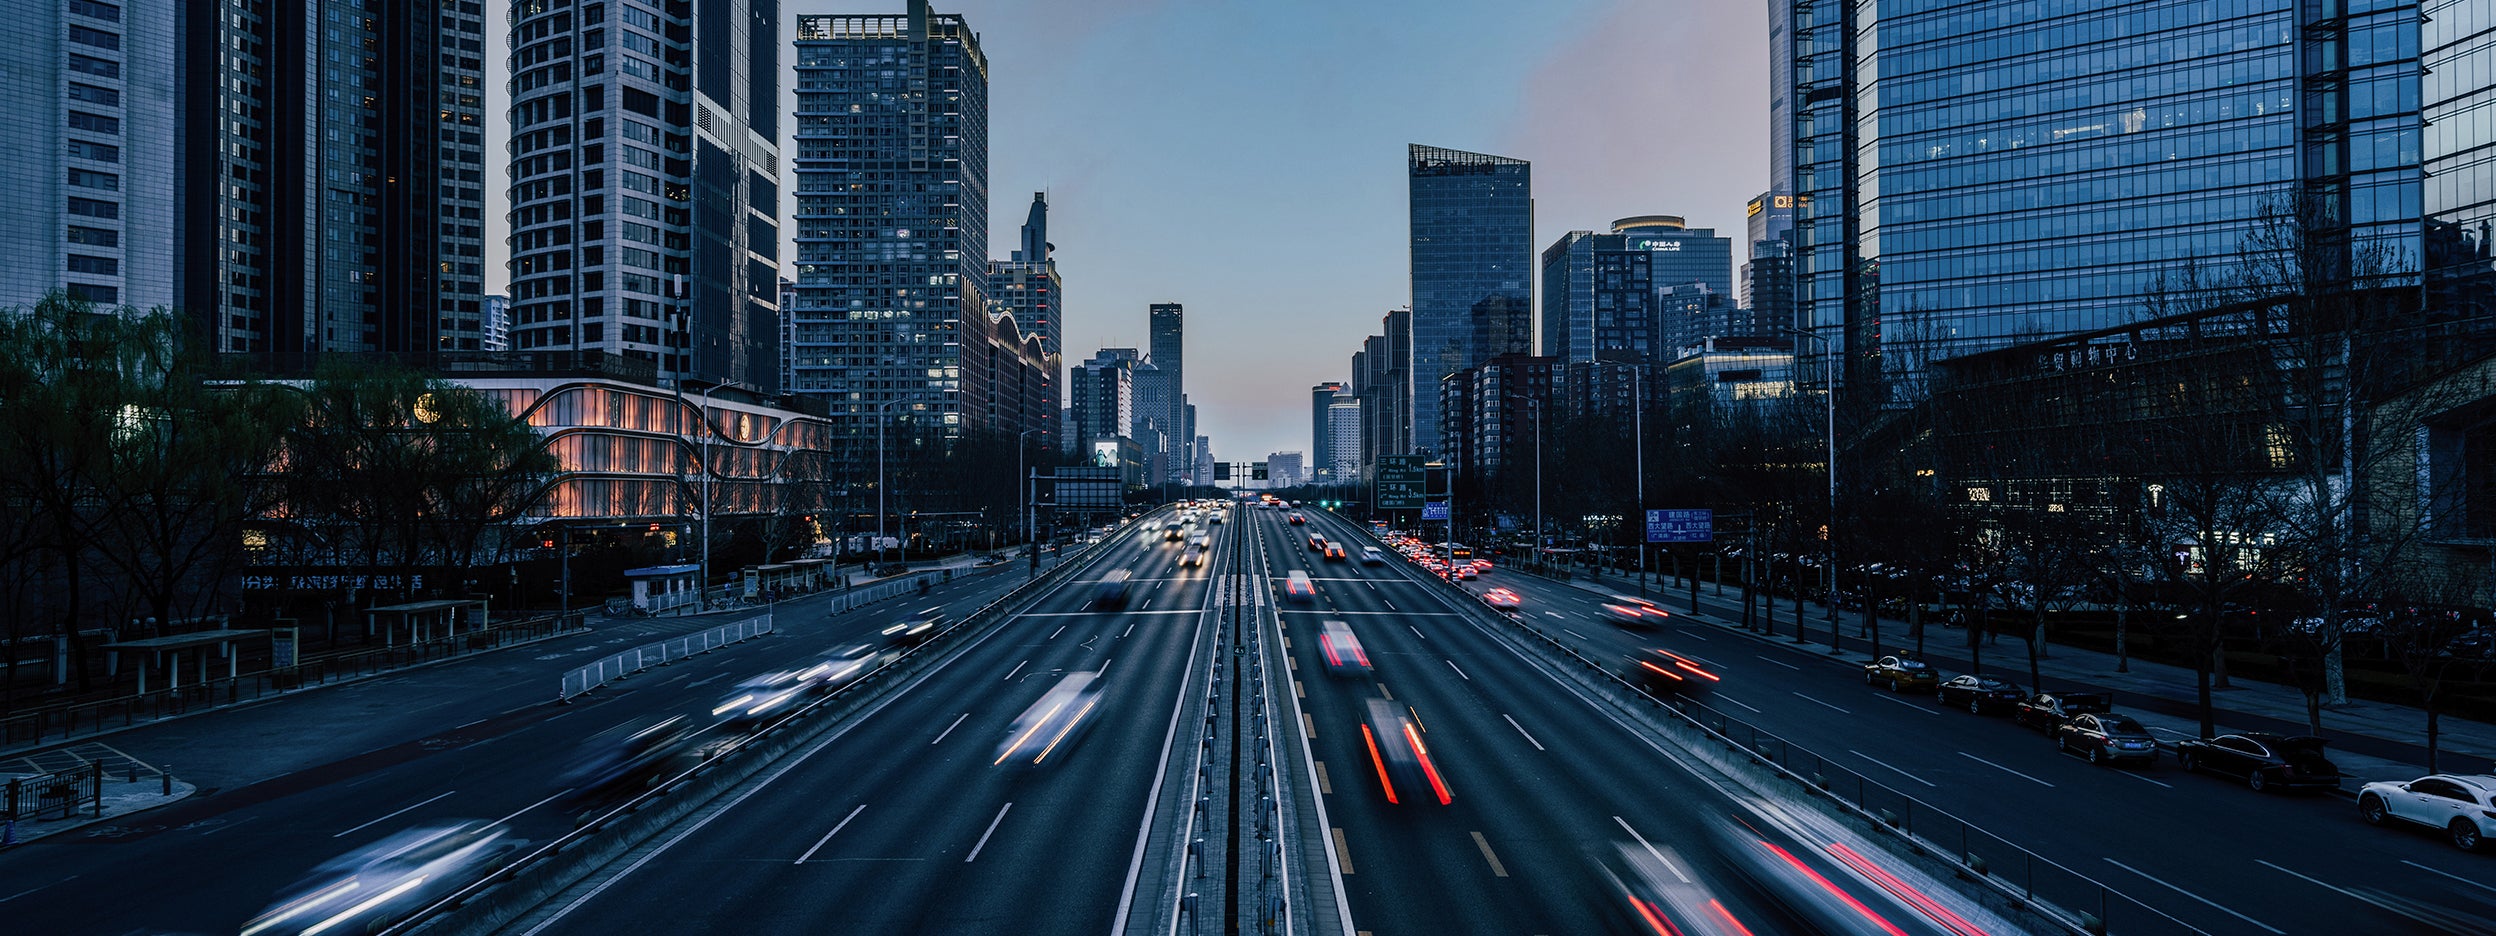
70	720
911	584
1978	856
25	798
547	869
643	657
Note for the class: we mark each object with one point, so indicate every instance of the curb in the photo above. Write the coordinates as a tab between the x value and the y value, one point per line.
181	791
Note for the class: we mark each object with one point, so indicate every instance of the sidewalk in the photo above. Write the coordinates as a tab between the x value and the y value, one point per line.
2370	740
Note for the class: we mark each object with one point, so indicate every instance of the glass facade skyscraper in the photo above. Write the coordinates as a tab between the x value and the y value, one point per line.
2458	97
1472	227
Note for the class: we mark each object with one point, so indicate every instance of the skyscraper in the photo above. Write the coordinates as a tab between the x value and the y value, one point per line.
1603	292
89	93
1343	441
1992	215
1168	331
1472	232
1322	432
1027	290
892	215
645	182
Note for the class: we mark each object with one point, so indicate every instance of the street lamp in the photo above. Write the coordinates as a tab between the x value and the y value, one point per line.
1638	458
1828	394
702	418
1022	493
881	409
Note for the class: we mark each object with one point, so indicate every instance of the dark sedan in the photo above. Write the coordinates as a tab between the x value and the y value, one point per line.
1980	694
2262	761
2106	737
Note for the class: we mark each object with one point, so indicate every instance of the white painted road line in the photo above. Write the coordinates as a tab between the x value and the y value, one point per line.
2143	779
1553	614
1451	664
983	837
2342	891
1884	763
1817	702
2004	769
836	830
1738	702
1130	629
1780	663
1659	856
515	814
1018	667
697	684
1694	635
1909	705
957	723
1497	870
1529	737
394	813
32	890
1060	630
2449	875
1416	631
1576	634
2214	904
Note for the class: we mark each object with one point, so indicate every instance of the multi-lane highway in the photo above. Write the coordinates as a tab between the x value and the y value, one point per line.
2201	848
290	783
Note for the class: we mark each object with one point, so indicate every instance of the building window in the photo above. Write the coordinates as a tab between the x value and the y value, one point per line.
94	237
89	65
100	152
94	266
105	181
105	295
94	123
91	94
94	10
95	37
90	208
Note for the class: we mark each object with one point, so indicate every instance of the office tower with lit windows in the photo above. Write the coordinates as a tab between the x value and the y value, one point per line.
1472	237
645	184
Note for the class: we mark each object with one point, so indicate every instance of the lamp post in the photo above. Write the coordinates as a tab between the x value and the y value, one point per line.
1538	479
1022	494
1828	394
702	419
881	409
1638	458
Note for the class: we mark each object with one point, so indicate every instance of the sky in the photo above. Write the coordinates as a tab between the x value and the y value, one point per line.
1246	157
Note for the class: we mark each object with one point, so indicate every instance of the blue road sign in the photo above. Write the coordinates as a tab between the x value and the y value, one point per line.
1681	526
1434	510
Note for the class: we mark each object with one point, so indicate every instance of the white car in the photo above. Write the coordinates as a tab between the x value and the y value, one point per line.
2463	805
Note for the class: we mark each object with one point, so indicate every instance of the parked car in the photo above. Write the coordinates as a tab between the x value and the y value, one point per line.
2464	806
2047	711
1979	694
1902	673
2106	738
2263	761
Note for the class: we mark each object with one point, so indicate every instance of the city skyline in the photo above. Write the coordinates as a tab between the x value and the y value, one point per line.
1080	93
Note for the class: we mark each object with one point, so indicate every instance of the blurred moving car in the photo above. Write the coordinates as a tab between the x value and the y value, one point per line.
1193	557
1111	593
364	889
2264	761
1979	694
1666	671
622	761
1650	895
758	699
1341	649
1502	599
1053	722
1371	556
1902	673
1317	542
1334	552
1297	519
1634	612
2047	711
2107	738
920	627
2463	805
1297	587
1405	769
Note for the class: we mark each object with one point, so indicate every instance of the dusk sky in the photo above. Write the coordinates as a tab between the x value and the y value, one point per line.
1247	158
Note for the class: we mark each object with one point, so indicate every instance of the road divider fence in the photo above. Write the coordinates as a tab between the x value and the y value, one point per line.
637	659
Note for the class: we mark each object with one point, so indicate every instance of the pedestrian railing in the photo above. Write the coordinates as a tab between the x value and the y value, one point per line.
73	719
662	653
911	584
24	799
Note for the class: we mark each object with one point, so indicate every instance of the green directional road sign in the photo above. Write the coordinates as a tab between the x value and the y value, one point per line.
1399	482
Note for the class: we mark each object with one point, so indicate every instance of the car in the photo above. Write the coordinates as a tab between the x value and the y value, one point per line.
1051	723
1902	673
761	698
1666	671
917	628
1502	599
1341	649
1634	612
1317	542
1174	535
1464	573
1111	592
1193	557
1298	588
1396	749
1979	694
2106	737
2264	761
1334	552
1371	556
623	761
366	888
1296	519
2463	805
1482	565
2047	711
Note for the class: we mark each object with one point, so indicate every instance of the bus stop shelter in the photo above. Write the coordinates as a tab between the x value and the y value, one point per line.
423	618
662	589
165	653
